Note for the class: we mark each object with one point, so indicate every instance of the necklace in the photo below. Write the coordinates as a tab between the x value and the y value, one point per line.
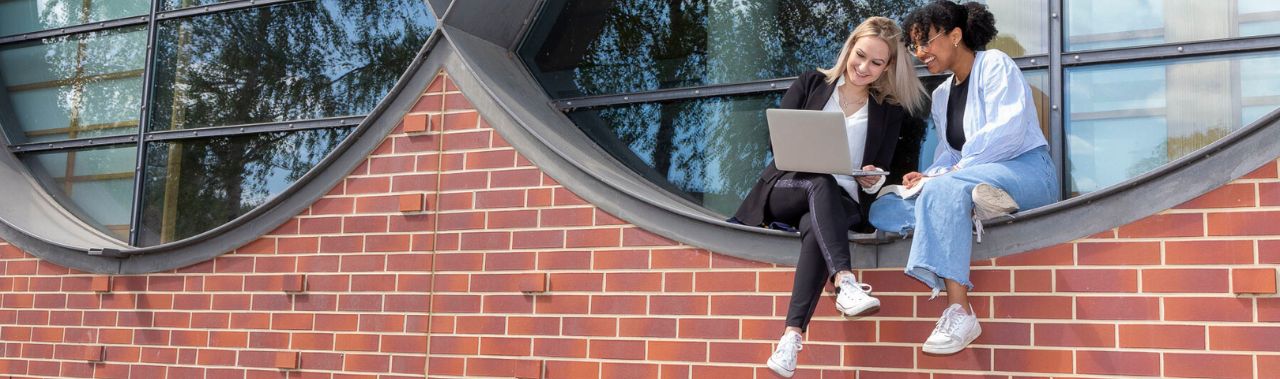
851	104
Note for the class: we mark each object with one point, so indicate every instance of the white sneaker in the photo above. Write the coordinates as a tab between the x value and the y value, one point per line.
855	298
783	360
955	330
990	202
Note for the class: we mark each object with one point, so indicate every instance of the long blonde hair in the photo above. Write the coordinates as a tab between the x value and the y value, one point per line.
899	85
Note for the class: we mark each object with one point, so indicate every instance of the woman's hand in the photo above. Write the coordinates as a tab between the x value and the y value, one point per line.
868	181
911	179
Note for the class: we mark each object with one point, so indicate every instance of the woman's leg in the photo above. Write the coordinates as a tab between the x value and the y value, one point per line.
815	205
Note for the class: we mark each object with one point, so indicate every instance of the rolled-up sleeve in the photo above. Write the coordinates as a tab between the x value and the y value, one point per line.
1004	103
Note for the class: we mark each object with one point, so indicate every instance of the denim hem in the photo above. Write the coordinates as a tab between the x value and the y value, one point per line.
932	275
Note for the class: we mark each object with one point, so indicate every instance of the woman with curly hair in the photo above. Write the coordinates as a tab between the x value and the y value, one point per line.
992	160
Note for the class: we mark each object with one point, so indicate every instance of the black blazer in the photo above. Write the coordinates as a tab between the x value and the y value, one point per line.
811	91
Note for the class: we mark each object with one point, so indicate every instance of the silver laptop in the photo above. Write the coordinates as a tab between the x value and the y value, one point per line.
811	141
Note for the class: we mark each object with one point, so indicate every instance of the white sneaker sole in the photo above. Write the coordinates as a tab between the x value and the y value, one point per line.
869	307
952	349
778	369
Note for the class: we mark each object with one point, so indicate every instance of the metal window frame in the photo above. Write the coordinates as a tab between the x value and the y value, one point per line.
154	14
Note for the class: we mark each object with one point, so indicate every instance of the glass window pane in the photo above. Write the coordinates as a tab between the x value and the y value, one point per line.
1102	24
592	47
305	60
94	184
78	86
192	186
708	150
22	16
1023	26
1126	119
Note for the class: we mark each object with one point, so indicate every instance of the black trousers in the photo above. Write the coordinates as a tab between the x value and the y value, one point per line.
823	213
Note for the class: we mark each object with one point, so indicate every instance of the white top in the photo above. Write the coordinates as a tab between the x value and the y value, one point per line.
855	128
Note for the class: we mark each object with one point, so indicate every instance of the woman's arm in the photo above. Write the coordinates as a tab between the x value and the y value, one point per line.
1008	110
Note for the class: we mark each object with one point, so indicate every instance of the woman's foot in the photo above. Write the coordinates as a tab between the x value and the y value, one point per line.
783	360
954	331
855	298
990	202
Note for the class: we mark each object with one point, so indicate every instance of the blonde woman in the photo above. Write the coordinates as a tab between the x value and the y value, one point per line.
875	87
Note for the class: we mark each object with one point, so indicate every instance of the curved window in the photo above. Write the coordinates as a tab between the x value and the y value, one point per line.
676	90
242	102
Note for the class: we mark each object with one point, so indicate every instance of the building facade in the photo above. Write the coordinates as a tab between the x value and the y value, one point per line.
490	188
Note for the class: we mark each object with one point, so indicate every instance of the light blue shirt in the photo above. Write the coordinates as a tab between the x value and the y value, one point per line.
1000	121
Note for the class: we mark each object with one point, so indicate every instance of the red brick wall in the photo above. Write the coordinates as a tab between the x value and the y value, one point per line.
509	274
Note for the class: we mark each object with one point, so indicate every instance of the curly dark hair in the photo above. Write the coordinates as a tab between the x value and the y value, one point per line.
974	20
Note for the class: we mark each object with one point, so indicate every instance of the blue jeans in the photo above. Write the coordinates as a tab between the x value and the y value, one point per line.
941	214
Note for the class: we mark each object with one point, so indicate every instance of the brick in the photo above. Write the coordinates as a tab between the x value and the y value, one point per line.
725	261
619	305
1118	308
677	305
972	359
879	356
590	326
1119	253
1033	307
1038	361
1207	309
1033	281
1253	280
1005	333
742	305
1208	252
736	352
538	239
366	362
1244	338
1165	225
641	237
513	219
1056	255
1269	194
542	326
563	217
990	280
460	121
713	281
708	328
530	368
412	202
1075	335
647	327
564	369
1118	363
904	331
1090	280
417	122
285	360
1185	280
682	258
629	370
614	349
579	238
620	259
486	241
516	178
559	347
1269	252
505	346
563	304
1244	224
1269	309
1228	196
1208	365
592	282
100	284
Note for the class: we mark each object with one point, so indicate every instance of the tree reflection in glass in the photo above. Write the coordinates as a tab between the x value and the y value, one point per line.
292	61
192	186
22	16
596	48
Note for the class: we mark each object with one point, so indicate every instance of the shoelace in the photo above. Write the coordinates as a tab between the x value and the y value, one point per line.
865	288
948	323
788	348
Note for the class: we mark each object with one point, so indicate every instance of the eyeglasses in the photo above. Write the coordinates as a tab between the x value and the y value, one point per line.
911	47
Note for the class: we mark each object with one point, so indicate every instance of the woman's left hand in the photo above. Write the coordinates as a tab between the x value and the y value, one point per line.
868	181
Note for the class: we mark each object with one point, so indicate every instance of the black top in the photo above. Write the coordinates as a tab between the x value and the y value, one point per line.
811	91
955	114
